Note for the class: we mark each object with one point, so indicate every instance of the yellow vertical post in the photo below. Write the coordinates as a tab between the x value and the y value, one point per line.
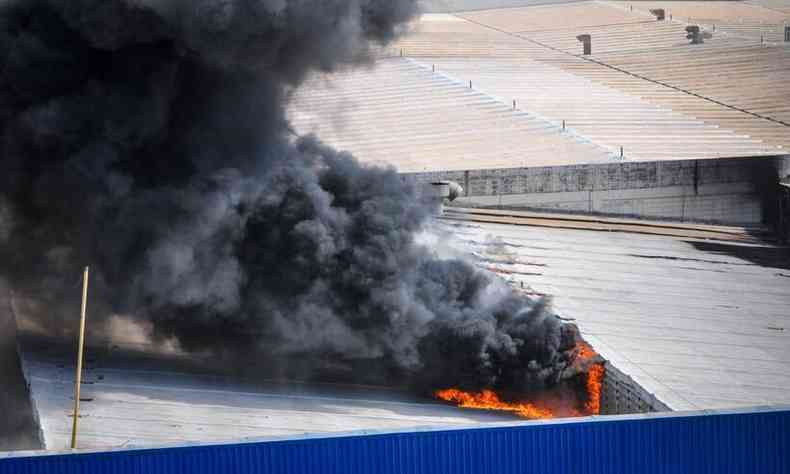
80	349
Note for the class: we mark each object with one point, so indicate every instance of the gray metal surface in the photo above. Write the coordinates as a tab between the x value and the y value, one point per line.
143	400
702	324
699	323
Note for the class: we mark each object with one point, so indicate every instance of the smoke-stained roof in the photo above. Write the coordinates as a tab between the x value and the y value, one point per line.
131	397
699	323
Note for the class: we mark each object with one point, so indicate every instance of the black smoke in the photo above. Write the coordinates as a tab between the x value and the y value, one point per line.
148	139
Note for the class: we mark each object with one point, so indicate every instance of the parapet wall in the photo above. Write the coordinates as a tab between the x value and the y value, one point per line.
727	190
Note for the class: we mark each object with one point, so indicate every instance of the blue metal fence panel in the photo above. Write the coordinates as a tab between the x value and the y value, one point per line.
734	442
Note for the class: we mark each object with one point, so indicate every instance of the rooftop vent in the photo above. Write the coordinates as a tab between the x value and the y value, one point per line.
587	42
696	35
659	13
439	192
787	34
449	190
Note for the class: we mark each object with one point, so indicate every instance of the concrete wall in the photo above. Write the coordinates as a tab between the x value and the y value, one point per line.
620	395
720	190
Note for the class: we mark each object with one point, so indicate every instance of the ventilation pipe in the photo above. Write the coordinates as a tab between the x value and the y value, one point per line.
587	42
693	34
439	191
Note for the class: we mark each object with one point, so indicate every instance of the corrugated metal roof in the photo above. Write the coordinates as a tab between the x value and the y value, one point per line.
779	5
444	6
749	77
730	81
753	441
600	113
737	20
699	323
402	114
714	11
571	16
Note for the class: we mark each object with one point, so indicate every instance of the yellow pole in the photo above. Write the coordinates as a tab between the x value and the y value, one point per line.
80	348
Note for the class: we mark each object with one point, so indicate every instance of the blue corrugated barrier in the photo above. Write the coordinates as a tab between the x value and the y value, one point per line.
754	441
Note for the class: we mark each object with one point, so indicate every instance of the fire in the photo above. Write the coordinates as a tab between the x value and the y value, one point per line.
585	350
594	380
488	400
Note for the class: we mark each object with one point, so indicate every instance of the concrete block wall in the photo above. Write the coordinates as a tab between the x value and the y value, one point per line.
719	190
620	395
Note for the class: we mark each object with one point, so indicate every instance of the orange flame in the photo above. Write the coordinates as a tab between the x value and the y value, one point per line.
488	400
585	350
594	380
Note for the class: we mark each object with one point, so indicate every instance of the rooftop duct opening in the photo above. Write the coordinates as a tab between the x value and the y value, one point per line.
587	43
696	35
439	191
449	190
659	13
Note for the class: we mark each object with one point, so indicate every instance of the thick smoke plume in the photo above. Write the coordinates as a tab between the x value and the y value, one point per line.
148	138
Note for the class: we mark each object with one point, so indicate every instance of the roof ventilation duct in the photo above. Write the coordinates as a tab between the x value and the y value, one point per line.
587	43
696	35
659	13
440	192
449	190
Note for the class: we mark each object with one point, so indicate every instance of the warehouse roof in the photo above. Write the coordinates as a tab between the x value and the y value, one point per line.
731	82
601	113
695	314
133	397
403	114
779	5
445	6
698	322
